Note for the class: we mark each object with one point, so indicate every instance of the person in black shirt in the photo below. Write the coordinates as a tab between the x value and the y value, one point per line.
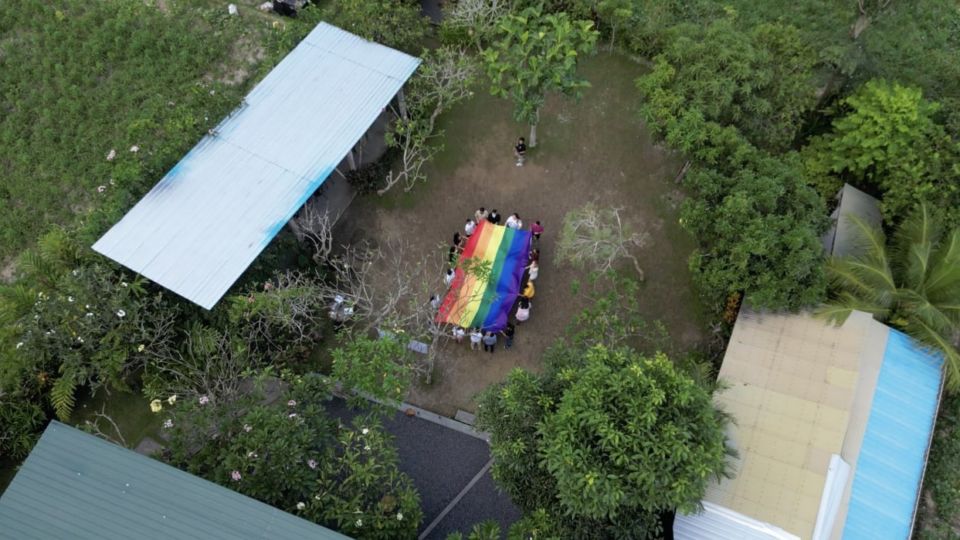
520	151
494	217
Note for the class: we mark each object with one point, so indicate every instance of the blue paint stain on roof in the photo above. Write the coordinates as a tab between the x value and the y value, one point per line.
889	470
203	224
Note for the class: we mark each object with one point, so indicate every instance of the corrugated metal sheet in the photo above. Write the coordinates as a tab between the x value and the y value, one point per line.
886	483
843	238
716	522
77	486
203	224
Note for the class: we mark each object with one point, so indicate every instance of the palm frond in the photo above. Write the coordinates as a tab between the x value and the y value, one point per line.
943	280
843	304
15	302
870	242
940	344
873	284
62	396
914	305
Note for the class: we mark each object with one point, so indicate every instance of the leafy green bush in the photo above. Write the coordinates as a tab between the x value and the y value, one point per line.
758	231
887	139
293	456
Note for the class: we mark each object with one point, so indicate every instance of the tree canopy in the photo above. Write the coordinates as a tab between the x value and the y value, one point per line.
887	139
536	53
605	440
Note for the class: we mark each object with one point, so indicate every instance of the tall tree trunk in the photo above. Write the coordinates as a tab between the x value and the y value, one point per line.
533	131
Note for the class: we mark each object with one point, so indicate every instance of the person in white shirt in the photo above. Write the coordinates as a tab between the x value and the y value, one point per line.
514	222
533	271
480	214
475	337
470	226
523	311
459	333
435	301
448	277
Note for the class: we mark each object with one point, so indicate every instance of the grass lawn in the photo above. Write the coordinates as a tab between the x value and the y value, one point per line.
595	150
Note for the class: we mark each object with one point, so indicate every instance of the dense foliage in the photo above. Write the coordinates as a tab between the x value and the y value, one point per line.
758	82
911	282
395	23
292	455
606	439
888	141
759	231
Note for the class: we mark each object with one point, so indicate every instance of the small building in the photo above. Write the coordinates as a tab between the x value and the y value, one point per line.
832	427
211	215
840	239
76	486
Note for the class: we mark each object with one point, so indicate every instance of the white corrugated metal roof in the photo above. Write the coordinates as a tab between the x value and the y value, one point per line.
717	522
203	224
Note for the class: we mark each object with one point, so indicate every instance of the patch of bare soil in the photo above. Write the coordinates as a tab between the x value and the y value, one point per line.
596	150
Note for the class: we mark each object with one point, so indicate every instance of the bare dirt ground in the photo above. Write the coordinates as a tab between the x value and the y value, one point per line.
595	150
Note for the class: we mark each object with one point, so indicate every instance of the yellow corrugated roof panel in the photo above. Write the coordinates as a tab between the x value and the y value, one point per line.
791	382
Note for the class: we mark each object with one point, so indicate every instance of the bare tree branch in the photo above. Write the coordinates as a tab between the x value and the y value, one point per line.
599	238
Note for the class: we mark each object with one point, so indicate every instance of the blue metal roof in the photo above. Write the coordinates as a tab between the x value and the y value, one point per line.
889	469
203	224
76	486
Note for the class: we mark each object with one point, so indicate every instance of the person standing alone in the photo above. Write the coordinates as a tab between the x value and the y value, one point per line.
520	151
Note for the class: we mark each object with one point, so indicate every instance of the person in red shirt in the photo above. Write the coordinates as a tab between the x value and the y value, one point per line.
537	230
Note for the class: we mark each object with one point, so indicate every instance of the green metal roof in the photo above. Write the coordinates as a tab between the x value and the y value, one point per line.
74	485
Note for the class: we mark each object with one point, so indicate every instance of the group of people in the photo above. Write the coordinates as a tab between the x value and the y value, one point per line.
479	337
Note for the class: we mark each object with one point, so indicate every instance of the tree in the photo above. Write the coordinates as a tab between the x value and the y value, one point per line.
394	23
604	440
758	231
293	456
912	282
536	53
598	237
478	19
758	82
443	80
887	139
81	324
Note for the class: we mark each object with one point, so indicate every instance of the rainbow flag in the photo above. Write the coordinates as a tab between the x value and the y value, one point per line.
485	303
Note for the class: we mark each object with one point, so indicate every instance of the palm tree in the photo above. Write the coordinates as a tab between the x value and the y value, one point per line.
913	284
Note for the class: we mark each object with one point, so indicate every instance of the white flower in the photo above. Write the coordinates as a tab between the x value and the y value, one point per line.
292	415
172	399
121	313
111	154
101	188
75	272
359	523
89	314
399	516
252	455
301	505
36	317
212	92
134	149
312	463
156	406
70	299
86	306
292	403
79	339
140	349
204	400
19	344
168	423
123	283
247	428
364	431
316	497
367	448
235	475
113	182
